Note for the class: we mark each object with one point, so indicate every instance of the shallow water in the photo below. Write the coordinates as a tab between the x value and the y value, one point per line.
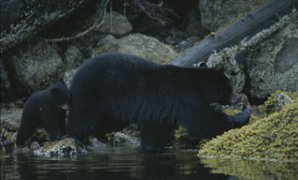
121	163
114	163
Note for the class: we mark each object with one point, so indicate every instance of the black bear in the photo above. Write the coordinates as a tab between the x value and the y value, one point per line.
47	109
114	90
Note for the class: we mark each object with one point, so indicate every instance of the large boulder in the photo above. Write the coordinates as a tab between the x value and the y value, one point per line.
36	66
273	63
137	44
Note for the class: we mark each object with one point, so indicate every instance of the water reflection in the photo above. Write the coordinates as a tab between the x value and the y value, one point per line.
110	164
252	169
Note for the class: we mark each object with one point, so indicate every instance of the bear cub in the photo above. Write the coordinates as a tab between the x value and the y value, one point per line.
113	90
47	109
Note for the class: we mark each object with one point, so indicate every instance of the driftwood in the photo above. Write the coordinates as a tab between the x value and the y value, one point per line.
257	20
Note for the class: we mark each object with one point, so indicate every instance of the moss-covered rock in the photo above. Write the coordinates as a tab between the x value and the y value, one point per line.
272	136
184	140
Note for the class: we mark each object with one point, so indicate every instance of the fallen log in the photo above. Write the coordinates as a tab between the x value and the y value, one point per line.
262	17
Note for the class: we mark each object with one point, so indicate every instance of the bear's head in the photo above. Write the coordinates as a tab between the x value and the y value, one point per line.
215	87
58	95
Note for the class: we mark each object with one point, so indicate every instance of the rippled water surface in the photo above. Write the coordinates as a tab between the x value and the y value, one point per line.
119	163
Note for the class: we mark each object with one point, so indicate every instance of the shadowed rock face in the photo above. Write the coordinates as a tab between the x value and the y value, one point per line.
23	19
12	11
287	56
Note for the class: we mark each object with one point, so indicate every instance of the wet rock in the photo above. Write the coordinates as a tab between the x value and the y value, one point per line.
11	119
96	144
273	65
128	137
218	13
120	139
73	57
37	65
115	24
9	123
139	45
65	147
34	145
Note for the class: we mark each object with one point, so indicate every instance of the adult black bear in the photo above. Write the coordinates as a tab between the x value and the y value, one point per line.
46	109
114	90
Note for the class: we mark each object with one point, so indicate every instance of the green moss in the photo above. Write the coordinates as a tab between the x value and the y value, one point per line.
231	112
184	140
273	136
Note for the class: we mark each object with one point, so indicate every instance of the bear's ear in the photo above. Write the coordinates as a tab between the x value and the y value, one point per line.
55	91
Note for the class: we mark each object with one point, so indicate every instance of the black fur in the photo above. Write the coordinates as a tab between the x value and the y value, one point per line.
114	90
45	109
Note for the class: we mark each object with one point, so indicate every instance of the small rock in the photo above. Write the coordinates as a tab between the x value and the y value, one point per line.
96	144
62	148
120	139
34	145
116	24
281	100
